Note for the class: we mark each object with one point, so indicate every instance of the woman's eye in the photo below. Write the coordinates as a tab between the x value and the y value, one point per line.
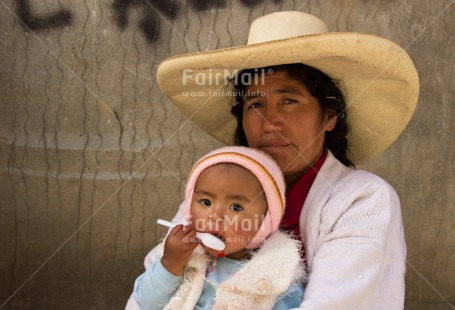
236	208
205	202
288	101
254	105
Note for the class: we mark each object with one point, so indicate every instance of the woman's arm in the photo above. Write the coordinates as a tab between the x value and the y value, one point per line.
358	252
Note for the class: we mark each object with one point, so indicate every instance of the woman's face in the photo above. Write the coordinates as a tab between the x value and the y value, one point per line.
282	118
229	202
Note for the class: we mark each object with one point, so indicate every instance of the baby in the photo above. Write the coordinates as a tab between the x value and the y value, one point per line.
236	194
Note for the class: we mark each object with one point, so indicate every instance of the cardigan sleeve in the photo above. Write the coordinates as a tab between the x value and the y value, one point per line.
358	249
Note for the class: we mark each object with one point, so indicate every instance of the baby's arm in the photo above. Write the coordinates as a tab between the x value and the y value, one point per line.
291	298
154	288
179	245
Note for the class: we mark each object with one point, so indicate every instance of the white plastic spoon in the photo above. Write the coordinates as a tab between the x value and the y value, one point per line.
207	239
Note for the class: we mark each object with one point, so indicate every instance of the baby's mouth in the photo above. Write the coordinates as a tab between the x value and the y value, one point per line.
218	236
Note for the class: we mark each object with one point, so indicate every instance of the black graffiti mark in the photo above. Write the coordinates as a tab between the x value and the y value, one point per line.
58	19
149	23
252	3
150	10
202	5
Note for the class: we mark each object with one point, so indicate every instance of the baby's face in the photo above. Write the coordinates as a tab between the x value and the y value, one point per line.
229	202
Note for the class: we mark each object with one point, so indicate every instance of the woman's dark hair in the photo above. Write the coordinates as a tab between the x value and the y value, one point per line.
320	86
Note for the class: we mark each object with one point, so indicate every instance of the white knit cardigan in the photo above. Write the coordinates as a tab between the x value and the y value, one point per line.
268	274
256	284
353	236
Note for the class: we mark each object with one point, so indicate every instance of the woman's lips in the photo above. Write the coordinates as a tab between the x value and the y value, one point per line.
273	145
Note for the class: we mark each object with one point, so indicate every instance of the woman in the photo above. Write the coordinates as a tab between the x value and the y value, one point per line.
288	105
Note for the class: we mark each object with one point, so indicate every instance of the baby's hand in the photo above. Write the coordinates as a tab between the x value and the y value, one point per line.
178	248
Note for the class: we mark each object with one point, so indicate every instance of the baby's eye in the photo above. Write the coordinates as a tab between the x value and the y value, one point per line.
205	202
236	208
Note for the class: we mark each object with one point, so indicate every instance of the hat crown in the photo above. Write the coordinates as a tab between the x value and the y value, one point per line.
284	25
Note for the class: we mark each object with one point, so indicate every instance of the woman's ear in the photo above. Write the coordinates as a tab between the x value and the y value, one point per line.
330	119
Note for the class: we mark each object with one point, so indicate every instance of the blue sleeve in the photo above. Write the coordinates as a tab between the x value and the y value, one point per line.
155	287
290	299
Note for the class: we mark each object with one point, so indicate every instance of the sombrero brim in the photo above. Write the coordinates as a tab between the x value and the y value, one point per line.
379	78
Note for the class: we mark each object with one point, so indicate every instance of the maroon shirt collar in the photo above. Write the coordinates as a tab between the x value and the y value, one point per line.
296	196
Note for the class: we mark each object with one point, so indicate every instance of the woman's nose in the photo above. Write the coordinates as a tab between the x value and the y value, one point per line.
271	119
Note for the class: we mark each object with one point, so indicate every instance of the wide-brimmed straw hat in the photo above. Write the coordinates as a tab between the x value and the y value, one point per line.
379	79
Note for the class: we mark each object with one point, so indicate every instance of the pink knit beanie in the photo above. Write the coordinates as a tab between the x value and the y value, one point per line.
266	171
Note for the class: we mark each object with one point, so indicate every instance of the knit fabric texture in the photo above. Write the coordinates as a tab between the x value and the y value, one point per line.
352	230
254	286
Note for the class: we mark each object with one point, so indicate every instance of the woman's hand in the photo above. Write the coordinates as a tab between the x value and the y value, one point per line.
178	248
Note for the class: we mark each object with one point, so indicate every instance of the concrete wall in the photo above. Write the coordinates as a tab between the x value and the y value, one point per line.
91	153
